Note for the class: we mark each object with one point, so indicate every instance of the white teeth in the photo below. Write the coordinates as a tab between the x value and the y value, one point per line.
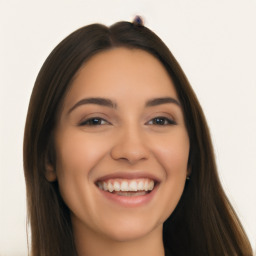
140	185
116	186
151	185
146	186
110	187
133	186
105	186
124	185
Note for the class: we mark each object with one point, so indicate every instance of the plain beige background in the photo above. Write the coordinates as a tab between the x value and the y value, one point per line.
215	43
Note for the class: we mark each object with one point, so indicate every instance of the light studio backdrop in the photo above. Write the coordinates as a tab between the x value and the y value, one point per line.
213	40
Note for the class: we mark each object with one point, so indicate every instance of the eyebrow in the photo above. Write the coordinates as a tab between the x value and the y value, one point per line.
109	103
160	101
98	101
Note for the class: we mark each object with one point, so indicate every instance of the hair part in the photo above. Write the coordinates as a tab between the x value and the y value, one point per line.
203	223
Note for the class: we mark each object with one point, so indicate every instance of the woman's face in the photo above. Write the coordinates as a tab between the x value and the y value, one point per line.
121	145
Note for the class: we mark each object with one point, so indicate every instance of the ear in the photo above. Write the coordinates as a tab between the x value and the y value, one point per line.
50	173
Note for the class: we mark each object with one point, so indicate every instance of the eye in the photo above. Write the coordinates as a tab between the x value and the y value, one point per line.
161	121
94	121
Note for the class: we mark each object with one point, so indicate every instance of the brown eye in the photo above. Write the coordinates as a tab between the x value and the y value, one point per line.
94	121
161	121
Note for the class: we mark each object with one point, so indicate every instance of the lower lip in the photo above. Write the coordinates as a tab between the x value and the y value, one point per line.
129	201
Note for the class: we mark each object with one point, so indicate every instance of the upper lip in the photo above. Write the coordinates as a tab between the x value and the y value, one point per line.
128	175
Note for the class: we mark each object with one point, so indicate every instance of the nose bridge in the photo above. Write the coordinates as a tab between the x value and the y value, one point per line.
130	144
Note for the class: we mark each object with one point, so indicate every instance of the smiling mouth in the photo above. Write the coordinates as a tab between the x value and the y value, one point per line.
127	187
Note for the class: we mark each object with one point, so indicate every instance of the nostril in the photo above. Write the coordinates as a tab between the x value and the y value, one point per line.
130	153
130	144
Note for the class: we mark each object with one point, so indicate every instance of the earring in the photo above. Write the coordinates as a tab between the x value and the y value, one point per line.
187	178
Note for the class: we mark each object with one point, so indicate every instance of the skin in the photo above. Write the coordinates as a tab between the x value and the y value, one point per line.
129	139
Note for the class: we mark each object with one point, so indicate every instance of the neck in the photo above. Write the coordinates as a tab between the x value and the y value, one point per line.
90	243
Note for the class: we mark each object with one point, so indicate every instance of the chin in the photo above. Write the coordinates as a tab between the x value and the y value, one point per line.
128	234
132	229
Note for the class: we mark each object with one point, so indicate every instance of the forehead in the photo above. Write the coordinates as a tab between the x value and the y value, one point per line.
121	71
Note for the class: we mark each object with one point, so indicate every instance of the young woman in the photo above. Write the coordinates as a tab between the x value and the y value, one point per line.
118	158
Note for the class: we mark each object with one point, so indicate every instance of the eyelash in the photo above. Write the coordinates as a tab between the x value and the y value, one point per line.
94	121
160	121
163	121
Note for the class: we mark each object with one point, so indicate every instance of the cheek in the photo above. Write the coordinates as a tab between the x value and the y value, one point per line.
77	155
172	153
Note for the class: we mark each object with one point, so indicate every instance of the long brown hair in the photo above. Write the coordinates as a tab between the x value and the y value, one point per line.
203	223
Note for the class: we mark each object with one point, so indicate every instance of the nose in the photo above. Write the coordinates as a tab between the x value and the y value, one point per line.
130	145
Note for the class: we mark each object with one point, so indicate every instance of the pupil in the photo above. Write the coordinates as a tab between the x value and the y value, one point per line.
95	121
159	121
